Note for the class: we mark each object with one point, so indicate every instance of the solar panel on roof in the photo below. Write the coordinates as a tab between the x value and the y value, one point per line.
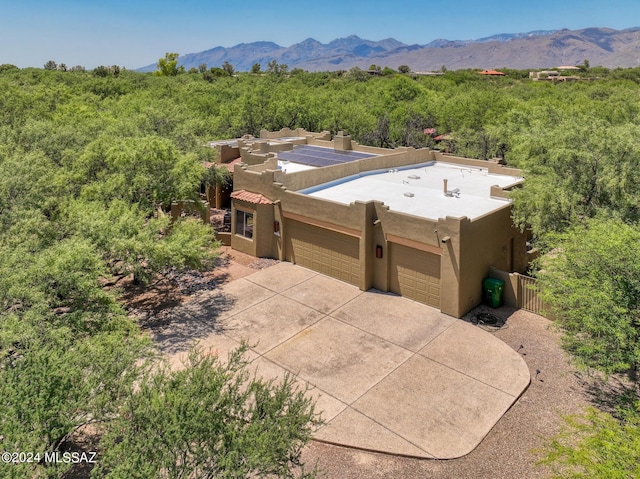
318	156
307	160
330	153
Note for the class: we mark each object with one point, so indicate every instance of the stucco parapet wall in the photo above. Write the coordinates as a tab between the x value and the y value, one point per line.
393	223
259	151
503	192
276	146
325	210
251	157
262	182
288	132
355	146
491	166
305	179
417	228
270	163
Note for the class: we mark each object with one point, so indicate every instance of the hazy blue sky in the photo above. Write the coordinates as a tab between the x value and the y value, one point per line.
133	33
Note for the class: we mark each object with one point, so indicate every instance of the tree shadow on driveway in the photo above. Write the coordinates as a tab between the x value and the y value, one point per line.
186	324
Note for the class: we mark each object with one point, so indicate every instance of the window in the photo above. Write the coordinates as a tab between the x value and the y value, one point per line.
244	224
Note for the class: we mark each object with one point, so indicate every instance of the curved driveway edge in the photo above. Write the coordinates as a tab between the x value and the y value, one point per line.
390	375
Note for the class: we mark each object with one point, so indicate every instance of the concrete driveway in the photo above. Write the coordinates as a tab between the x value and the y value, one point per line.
390	375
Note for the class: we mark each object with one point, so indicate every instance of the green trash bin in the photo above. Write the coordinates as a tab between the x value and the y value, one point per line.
493	289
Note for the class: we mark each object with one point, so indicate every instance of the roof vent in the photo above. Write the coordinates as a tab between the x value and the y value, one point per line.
453	193
413	177
409	194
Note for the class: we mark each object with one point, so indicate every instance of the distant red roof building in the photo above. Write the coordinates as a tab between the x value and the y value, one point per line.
491	72
231	164
443	137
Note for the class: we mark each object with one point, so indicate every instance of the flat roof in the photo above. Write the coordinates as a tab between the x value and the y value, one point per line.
288	139
292	167
418	189
232	143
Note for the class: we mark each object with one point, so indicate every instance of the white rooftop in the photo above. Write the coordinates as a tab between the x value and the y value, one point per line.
232	143
292	167
418	190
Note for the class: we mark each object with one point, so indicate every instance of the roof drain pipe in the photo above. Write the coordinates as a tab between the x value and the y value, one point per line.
447	193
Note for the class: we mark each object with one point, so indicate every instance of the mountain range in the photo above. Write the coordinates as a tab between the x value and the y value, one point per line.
537	49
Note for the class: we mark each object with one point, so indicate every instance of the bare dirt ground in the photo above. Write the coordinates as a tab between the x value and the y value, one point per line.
151	303
508	451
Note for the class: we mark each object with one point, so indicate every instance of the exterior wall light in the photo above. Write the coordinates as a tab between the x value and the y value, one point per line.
378	251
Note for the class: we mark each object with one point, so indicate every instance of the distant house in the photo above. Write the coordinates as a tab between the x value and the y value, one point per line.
492	73
552	75
544	74
427	74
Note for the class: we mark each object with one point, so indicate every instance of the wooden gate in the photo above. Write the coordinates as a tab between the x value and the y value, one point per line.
528	295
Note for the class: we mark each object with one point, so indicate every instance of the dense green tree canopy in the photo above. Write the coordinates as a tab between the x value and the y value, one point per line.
168	66
212	419
592	281
596	445
89	160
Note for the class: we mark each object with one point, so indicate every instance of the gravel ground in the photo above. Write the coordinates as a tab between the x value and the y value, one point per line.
506	452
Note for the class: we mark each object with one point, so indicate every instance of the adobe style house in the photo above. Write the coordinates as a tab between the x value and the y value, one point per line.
418	223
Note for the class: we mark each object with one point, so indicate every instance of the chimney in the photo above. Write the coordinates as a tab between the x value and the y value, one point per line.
342	141
444	186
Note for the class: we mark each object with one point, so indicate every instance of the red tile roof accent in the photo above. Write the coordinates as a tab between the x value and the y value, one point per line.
231	164
491	72
443	137
255	198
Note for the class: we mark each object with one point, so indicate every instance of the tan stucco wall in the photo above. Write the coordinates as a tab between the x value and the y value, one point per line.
288	132
227	153
490	241
224	238
305	179
336	213
250	157
509	295
239	242
263	244
277	244
492	166
263	236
